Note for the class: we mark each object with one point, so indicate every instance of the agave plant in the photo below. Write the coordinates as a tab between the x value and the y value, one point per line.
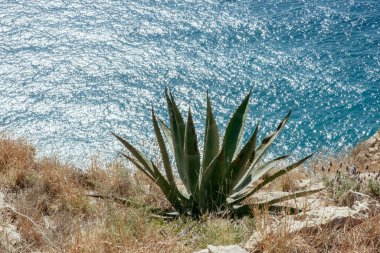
226	176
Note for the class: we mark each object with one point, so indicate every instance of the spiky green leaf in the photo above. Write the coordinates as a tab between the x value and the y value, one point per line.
255	175
234	131
172	195
168	135
191	156
147	164
177	127
239	166
164	152
281	172
241	197
140	167
267	142
292	195
211	141
211	183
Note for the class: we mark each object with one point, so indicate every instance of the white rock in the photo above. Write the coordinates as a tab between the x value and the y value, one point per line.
202	251
223	249
226	249
2	203
303	183
316	218
49	224
301	203
9	234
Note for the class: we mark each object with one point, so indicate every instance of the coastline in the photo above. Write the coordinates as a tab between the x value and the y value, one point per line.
47	206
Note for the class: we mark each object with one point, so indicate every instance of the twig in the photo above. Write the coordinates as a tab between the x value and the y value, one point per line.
114	198
34	223
360	194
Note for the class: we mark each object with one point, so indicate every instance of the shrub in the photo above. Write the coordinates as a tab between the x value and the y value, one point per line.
226	176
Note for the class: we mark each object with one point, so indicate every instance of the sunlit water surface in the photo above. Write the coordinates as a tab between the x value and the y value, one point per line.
73	71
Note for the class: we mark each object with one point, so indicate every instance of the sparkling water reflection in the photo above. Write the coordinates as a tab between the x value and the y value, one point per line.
72	71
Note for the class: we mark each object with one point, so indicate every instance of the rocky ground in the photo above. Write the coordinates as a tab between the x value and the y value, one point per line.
349	205
368	152
321	211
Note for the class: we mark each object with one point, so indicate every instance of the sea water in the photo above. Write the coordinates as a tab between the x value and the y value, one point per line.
73	71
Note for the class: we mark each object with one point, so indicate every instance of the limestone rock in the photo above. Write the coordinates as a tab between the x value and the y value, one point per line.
2	203
374	139
303	183
223	249
307	202
9	234
202	251
370	152
9	237
317	217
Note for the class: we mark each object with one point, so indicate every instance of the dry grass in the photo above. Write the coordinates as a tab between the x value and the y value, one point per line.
16	162
363	237
55	213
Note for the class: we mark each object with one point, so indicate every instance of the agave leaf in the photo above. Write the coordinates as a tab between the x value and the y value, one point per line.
238	167
267	141
263	147
281	172
293	195
147	164
257	174
246	209
171	193
241	197
140	167
221	173
191	157
234	131
211	182
168	135
177	127
211	141
164	152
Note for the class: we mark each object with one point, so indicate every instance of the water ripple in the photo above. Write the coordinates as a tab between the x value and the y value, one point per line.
72	71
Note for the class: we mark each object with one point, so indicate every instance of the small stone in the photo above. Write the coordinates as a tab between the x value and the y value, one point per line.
10	235
202	251
222	249
2	203
226	249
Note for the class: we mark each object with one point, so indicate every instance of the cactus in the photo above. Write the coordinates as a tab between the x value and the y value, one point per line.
226	176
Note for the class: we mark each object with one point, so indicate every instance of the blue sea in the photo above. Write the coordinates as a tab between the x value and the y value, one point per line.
73	71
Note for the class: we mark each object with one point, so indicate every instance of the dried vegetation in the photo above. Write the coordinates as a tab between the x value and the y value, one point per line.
58	208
